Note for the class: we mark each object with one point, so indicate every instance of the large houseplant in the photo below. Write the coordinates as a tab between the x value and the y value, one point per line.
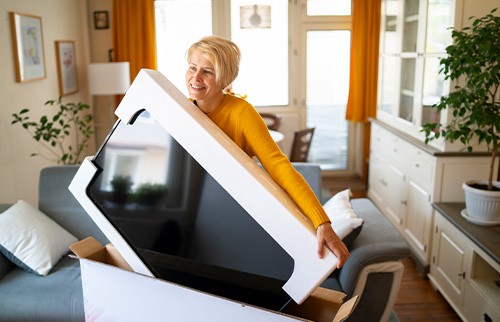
65	135
473	62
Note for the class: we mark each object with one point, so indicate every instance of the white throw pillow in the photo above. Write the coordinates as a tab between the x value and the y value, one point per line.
32	240
339	210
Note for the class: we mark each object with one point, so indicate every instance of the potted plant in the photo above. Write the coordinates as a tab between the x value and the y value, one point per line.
120	186
150	194
53	132
473	62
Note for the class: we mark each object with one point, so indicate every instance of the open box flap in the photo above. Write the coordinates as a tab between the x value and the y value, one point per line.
89	248
324	305
345	309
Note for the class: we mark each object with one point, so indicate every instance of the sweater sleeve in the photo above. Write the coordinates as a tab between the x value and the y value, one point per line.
260	143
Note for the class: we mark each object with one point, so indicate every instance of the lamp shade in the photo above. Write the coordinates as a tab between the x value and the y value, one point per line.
109	78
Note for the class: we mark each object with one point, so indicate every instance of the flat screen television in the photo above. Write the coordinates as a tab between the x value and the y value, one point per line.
182	202
183	225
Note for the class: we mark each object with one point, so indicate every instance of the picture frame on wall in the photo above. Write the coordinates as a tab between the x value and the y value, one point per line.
27	43
101	20
66	67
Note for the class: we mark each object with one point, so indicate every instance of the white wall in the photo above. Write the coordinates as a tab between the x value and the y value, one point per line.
61	20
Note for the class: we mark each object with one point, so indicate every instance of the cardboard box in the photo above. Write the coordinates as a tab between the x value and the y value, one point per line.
113	292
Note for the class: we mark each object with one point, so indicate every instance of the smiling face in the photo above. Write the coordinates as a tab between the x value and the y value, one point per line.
201	82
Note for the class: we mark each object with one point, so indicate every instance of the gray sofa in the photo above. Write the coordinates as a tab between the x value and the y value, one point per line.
373	271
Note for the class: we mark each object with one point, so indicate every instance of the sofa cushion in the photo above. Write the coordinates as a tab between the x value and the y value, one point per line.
32	240
56	297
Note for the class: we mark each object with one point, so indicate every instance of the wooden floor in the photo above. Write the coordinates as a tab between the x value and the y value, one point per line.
417	299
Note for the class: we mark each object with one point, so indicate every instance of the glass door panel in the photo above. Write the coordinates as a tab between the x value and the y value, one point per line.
410	26
434	86
391	40
439	21
327	87
264	64
389	78
407	91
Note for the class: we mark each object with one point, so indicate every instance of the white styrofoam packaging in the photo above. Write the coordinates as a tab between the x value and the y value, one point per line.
118	285
113	292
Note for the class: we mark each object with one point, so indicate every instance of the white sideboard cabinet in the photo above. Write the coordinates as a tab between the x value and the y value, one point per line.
407	176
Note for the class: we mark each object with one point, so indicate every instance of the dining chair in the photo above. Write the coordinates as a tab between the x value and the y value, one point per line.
273	120
301	143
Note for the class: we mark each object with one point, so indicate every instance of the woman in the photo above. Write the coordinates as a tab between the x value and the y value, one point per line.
213	66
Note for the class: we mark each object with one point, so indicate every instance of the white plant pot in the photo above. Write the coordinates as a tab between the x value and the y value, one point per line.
482	206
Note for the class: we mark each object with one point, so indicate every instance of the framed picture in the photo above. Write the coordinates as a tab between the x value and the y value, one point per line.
27	43
101	20
66	67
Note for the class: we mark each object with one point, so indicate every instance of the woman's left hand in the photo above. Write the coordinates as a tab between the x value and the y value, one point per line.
327	237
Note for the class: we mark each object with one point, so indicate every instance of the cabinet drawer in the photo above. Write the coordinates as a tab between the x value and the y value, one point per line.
398	150
420	167
379	140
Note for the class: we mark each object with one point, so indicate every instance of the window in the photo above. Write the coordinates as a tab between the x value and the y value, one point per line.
295	60
327	88
264	66
328	7
177	27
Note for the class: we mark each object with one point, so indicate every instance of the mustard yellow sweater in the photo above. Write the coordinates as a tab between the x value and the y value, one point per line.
243	124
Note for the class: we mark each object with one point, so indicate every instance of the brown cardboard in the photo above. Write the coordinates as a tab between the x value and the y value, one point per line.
91	249
323	305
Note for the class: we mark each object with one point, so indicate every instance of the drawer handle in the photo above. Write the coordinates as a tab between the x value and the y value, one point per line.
462	274
417	165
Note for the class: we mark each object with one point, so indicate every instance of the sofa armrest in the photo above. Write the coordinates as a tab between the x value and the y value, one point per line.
378	242
377	289
373	271
5	264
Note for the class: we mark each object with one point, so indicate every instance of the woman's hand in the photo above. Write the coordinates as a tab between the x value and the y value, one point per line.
327	237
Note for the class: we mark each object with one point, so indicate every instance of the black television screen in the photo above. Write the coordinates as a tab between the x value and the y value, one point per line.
183	225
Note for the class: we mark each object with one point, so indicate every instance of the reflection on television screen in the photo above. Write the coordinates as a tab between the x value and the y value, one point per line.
185	227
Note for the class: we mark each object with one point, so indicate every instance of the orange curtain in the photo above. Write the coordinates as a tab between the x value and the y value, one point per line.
362	100
134	38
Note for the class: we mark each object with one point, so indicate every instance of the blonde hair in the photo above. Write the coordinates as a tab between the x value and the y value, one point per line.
222	53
